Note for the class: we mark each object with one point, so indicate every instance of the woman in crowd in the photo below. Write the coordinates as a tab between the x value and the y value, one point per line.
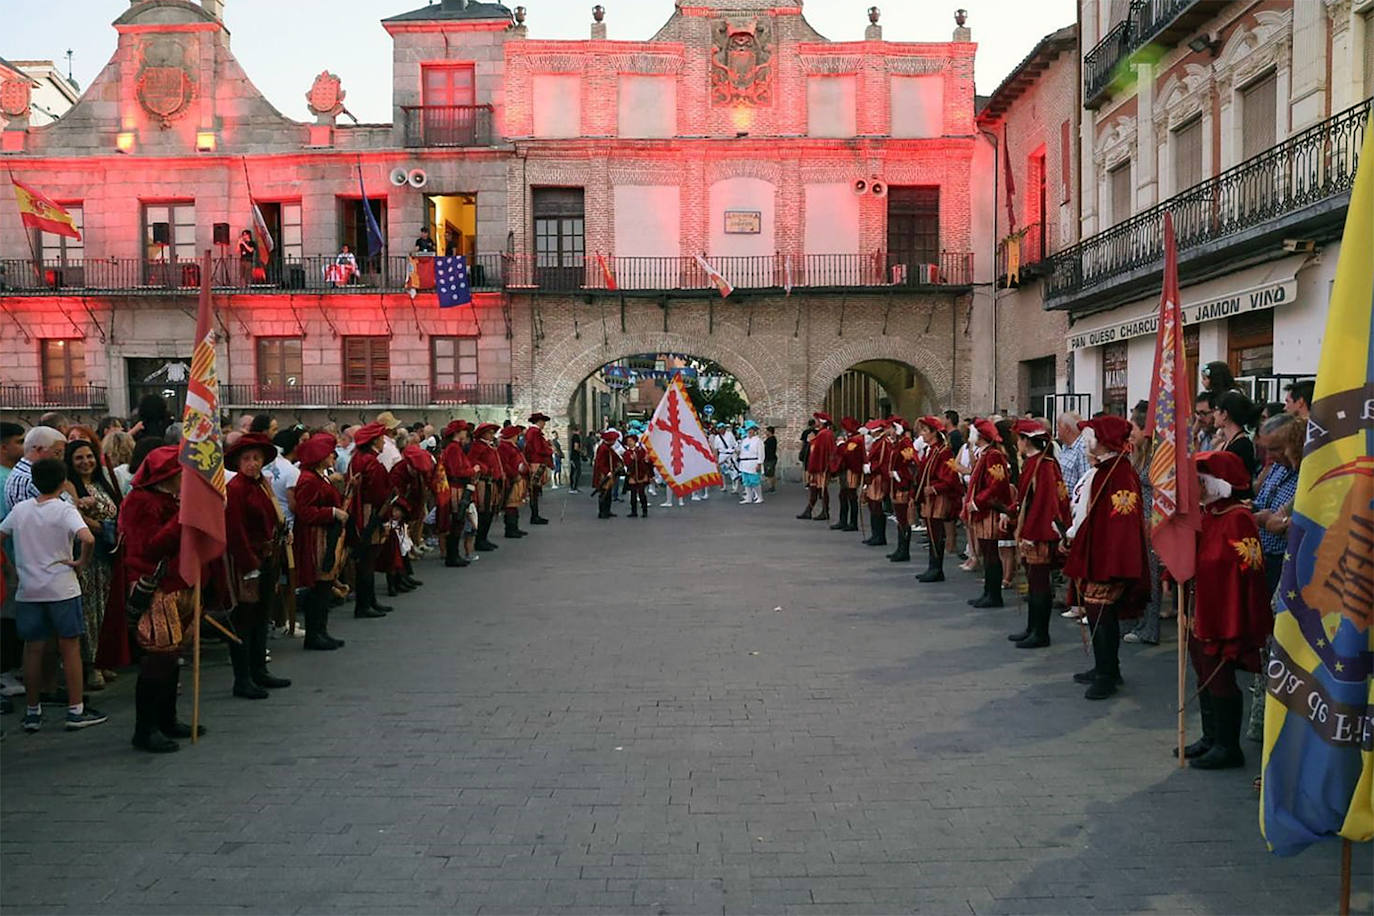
319	538
1142	450
1217	378
153	418
990	496
118	449
151	533
1043	512
98	502
1006	540
1232	413
254	540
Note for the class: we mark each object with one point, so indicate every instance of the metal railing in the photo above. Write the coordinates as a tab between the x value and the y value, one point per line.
753	272
1110	58
34	397
447	125
310	274
1307	168
392	394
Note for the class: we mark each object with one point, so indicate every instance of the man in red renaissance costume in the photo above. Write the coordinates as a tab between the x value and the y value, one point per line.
818	468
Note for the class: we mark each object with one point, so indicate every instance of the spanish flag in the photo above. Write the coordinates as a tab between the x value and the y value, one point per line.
1318	733
38	211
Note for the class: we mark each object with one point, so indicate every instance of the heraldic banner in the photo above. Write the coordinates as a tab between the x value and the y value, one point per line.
678	445
202	455
1318	734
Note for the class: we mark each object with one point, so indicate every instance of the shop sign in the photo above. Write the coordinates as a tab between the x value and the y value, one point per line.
1254	299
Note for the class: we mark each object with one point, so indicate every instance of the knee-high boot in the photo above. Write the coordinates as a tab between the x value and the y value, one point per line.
811	495
878	521
239	653
825	505
1038	632
408	574
513	524
992	578
168	723
1106	673
1209	729
903	552
1225	752
936	572
317	636
365	587
535	517
257	660
453	551
853	501
484	522
843	523
148	692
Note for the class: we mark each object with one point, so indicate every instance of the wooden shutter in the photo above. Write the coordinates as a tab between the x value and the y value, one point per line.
1188	155
1258	113
367	364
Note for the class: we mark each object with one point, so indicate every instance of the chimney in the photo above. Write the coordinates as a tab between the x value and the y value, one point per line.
214	8
598	23
961	31
874	32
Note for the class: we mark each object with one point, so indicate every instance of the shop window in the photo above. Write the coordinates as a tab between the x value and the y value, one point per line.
1114	378
1250	344
63	364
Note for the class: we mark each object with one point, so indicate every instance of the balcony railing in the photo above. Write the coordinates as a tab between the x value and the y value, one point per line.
447	125
310	274
1146	22
45	397
1277	186
1031	255
754	272
395	394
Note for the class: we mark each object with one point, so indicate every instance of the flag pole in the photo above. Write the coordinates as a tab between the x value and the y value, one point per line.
1345	877
195	667
1182	627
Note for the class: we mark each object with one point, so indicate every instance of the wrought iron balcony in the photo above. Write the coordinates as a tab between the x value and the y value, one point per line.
1148	23
447	125
394	394
1301	185
776	272
1030	255
331	274
47	397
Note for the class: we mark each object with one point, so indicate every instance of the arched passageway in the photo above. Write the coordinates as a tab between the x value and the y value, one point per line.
879	388
629	388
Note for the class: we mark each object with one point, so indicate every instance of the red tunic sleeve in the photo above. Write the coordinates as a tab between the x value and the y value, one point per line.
903	464
990	482
822	450
944	476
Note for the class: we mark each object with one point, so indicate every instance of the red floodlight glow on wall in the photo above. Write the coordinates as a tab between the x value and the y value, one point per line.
124	141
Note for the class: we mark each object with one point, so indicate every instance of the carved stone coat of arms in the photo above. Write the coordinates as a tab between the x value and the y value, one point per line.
742	63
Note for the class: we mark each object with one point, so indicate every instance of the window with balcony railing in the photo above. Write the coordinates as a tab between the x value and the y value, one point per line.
280	364
366	368
63	363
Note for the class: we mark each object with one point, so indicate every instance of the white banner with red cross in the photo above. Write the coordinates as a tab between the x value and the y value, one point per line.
678	446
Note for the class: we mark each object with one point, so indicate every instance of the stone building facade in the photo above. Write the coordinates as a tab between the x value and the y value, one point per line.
595	187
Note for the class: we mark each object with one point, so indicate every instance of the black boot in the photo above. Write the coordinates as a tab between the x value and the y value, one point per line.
512	519
1106	660
453	551
1209	729
325	601
167	707
1225	752
903	552
243	674
257	661
390	585
992	583
316	639
1030	622
484	521
825	510
936	572
147	713
535	517
408	574
1039	632
878	523
853	503
365	595
843	523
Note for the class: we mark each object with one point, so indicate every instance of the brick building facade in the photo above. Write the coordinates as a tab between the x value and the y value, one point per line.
840	187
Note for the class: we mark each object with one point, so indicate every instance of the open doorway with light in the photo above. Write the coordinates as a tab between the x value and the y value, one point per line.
452	222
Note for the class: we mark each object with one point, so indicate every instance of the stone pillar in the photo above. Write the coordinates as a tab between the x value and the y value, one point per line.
1309	64
1087	177
1147	147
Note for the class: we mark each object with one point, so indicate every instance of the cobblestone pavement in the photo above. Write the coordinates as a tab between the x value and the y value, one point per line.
718	709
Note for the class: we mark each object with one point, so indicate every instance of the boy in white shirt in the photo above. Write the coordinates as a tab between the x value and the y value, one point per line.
48	602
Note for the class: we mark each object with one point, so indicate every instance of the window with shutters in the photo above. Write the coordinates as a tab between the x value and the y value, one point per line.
1037	200
63	364
279	364
1119	180
1114	378
453	367
169	235
1188	155
560	229
366	368
56	249
913	225
1259	111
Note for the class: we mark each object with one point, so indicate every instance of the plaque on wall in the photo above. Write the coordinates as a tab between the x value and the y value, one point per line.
743	222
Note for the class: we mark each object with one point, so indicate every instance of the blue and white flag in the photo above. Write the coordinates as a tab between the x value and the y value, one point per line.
451	281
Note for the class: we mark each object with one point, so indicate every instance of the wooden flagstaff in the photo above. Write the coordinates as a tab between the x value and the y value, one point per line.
195	666
1182	627
1345	877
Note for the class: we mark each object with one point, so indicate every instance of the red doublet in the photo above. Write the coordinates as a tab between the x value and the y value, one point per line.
1232	618
512	459
1044	499
605	466
939	473
851	455
457	467
902	462
370	491
480	453
408	483
1110	544
537	448
250	523
316	500
822	452
151	532
989	485
639	470
876	485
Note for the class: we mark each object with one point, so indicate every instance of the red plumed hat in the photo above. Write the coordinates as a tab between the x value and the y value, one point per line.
315	449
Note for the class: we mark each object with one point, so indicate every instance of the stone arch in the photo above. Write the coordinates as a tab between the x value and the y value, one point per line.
933	369
564	369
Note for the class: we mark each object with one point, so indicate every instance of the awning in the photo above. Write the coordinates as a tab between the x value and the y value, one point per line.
1264	286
